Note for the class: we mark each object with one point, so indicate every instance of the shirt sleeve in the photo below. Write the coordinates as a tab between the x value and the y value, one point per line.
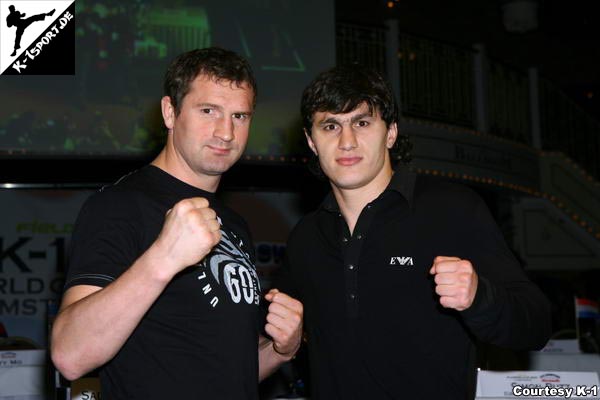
104	241
509	310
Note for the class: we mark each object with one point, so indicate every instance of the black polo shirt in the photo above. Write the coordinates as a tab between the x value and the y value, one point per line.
374	324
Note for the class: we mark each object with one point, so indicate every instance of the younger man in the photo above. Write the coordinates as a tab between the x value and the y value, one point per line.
398	273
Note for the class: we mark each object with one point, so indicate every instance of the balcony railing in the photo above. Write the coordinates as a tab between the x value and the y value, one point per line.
508	103
567	128
441	82
436	81
365	44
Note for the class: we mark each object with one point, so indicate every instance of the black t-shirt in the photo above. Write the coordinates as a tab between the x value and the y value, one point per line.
374	324
199	340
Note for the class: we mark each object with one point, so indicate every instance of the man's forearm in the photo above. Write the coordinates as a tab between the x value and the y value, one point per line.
94	323
268	359
514	315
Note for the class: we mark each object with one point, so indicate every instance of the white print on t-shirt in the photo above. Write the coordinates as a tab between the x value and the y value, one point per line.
231	266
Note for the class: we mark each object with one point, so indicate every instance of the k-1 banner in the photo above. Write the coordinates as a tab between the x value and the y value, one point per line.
34	237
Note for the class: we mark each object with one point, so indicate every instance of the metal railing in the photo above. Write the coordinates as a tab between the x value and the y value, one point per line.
566	127
438	82
363	44
508	103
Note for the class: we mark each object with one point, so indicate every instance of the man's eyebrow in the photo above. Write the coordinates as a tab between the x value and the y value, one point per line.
360	116
208	105
330	120
335	120
218	107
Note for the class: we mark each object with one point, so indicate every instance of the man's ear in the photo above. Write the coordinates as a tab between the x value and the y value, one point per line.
310	142
168	112
392	135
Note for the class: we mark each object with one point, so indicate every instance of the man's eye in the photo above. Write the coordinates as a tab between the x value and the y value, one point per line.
362	123
206	110
329	127
240	116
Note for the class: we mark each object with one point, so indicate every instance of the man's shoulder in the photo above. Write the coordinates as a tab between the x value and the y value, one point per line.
135	179
139	182
120	195
305	227
452	194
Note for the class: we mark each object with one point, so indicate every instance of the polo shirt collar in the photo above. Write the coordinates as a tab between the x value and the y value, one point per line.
403	181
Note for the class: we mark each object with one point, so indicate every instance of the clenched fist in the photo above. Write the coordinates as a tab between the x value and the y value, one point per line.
455	282
189	233
284	322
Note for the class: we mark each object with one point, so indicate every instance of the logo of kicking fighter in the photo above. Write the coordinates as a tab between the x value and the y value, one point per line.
231	266
18	20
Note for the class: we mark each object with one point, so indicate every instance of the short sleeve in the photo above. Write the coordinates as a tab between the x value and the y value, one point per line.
105	240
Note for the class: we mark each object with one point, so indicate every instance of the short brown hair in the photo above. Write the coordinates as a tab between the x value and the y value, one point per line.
215	63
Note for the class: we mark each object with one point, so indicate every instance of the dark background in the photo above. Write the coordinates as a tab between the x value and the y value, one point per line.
564	47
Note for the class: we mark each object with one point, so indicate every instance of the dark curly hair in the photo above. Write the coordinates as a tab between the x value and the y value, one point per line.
214	62
342	89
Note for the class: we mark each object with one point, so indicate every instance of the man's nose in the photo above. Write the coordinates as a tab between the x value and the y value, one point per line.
347	139
224	129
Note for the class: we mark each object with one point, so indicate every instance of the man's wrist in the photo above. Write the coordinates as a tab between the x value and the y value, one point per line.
159	266
286	356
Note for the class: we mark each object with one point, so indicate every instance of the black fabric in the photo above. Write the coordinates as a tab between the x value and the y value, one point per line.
199	340
374	325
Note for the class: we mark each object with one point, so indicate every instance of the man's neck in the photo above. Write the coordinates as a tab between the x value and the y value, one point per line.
352	201
170	163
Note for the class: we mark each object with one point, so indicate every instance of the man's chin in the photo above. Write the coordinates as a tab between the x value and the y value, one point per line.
346	183
219	167
216	170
